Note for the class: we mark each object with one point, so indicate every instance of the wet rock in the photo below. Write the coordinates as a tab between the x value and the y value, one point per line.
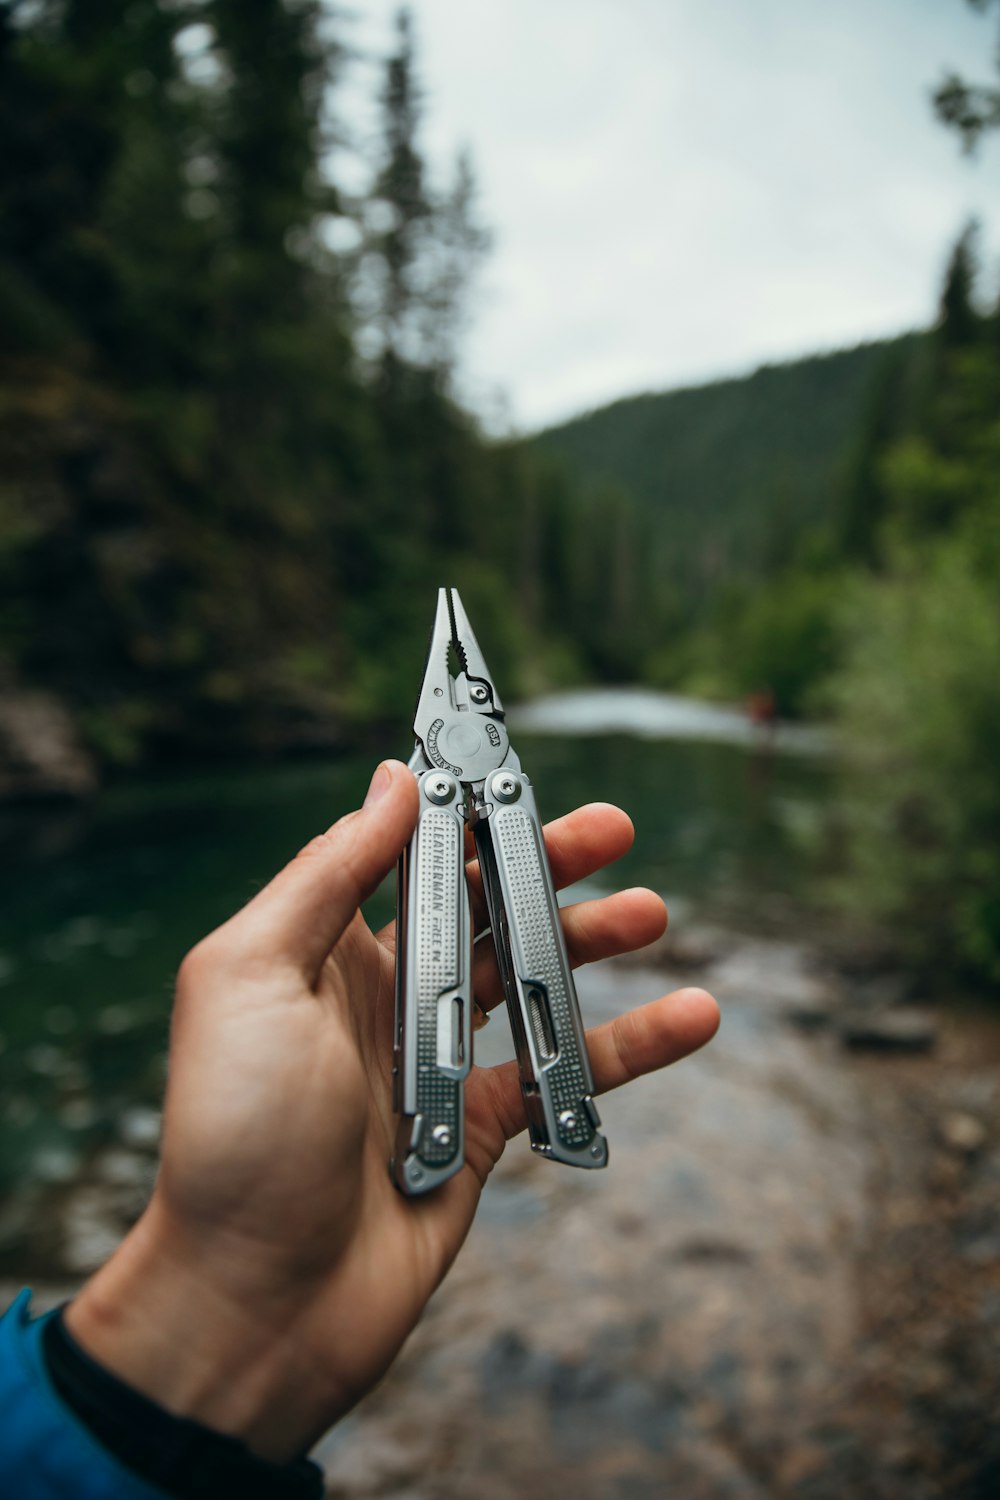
122	1169
48	1061
115	1019
714	1252
79	1114
96	1215
41	754
984	1251
92	1229
685	949
140	1128
962	1133
507	1365
783	978
890	1031
810	1014
54	1164
884	992
803	1463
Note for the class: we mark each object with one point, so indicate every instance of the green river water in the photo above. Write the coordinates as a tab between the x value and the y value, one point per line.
101	901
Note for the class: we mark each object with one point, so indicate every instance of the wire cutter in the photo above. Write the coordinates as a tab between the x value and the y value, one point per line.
468	775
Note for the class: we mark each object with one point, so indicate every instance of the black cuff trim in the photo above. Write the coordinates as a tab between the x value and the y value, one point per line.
178	1454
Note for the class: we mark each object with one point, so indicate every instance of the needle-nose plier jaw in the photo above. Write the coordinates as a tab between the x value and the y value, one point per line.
459	722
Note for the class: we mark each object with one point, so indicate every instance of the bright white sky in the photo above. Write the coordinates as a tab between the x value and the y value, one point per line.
683	189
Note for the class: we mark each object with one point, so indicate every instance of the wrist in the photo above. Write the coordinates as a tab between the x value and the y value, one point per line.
176	1455
205	1335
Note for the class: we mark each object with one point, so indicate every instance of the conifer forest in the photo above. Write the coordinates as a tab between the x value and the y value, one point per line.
234	461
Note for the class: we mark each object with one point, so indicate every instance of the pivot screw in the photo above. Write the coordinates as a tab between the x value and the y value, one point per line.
479	692
506	787
441	1135
568	1119
439	789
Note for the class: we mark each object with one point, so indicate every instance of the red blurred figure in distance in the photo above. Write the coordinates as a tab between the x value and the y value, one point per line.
762	711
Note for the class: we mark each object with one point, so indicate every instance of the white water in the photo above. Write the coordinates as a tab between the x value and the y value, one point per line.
651	715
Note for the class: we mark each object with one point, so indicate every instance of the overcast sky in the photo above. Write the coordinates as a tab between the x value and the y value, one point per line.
682	189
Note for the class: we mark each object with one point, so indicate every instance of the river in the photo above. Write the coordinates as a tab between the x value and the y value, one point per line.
101	901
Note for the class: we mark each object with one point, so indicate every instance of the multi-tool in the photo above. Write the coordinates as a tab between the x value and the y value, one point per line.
468	776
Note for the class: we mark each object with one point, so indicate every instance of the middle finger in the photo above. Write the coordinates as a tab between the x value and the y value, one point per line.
593	930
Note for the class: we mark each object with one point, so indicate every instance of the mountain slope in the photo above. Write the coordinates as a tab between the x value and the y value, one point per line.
727	475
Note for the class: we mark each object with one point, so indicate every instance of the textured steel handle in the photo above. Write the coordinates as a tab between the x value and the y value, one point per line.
433	1048
541	997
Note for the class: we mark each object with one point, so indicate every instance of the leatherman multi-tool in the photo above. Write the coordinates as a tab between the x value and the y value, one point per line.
469	776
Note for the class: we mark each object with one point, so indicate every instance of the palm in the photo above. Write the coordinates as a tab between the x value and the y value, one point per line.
274	1193
279	1128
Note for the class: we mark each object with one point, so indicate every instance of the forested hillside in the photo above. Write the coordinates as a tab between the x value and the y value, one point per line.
738	503
729	474
833	530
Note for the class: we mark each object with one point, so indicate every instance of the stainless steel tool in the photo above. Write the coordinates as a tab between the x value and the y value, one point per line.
468	775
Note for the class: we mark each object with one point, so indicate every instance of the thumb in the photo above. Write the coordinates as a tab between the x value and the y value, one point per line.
302	912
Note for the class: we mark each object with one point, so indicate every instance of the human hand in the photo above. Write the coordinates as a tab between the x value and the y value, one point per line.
277	1271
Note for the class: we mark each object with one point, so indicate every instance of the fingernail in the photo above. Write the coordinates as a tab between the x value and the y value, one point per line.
380	784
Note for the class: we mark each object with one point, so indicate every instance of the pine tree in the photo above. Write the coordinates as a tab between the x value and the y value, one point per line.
970	108
958	322
400	210
422	246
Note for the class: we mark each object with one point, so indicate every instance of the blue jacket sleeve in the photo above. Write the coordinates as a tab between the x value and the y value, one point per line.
46	1453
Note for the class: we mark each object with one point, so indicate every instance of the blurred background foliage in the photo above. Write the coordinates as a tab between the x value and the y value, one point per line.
233	465
830	531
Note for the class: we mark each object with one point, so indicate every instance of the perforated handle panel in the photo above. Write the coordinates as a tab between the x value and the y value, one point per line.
433	1041
547	994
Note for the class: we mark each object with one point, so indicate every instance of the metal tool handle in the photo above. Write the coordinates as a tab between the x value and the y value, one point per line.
433	1047
556	1081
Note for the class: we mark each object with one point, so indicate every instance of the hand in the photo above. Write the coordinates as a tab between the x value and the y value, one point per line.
276	1271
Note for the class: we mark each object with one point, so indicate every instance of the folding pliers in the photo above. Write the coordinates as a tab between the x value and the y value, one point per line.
468	775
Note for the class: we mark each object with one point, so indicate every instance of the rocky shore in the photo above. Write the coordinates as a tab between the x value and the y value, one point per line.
41	753
786	1284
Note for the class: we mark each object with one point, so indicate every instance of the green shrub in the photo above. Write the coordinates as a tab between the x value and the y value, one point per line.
918	701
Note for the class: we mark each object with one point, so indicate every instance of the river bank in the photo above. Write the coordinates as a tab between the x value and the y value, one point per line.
44	755
786	1284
